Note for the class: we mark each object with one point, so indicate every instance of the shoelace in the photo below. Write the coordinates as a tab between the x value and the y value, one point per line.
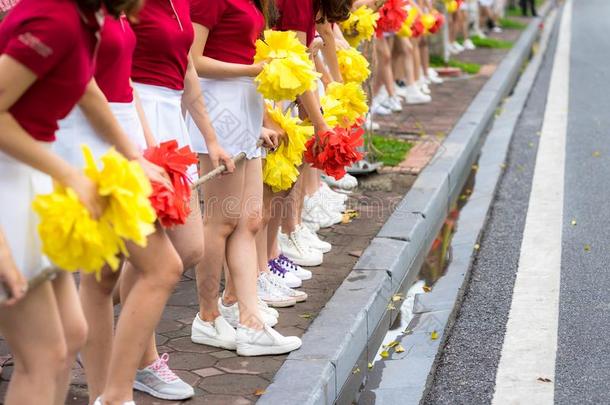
277	268
287	262
162	370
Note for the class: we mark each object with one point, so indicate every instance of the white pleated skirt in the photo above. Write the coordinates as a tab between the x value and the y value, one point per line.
163	109
236	110
19	184
75	131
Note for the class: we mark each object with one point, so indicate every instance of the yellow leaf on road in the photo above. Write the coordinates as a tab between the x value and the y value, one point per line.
399	349
434	335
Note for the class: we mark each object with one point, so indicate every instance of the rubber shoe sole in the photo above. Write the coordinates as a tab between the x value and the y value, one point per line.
145	388
249	350
202	340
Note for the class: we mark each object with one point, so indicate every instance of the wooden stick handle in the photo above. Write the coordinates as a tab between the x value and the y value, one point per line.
48	273
221	169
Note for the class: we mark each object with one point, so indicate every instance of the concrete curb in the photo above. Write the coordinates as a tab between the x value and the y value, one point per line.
346	334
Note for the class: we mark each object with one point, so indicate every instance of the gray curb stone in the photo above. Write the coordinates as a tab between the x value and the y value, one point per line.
350	324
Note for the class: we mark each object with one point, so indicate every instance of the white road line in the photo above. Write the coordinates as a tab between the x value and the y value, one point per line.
530	343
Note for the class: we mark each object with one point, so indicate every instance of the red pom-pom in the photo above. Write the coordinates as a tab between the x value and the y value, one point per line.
173	207
333	151
417	28
391	17
438	23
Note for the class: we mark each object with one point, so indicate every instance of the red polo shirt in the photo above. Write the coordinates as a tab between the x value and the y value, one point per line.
297	15
164	34
234	26
114	57
54	40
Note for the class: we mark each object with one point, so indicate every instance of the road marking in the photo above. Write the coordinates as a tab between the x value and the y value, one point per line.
526	372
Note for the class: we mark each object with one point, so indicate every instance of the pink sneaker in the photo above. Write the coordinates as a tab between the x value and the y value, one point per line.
161	382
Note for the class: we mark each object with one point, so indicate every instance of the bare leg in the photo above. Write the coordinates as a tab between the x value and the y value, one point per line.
36	355
96	301
241	246
158	270
74	326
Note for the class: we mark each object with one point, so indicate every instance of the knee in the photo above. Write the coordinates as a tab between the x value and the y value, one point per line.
167	273
105	286
75	338
190	258
254	224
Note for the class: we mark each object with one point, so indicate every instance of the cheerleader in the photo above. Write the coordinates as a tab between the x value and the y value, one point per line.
111	366
166	82
46	63
223	51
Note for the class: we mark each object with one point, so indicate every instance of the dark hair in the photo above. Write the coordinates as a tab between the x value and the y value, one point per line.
114	7
269	10
332	11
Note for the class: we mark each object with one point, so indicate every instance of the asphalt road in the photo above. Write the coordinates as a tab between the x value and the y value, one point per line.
468	370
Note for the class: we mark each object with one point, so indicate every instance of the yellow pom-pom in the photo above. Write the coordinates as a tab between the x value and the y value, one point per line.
360	26
428	20
353	66
71	238
343	104
452	6
297	134
279	172
127	189
289	72
405	31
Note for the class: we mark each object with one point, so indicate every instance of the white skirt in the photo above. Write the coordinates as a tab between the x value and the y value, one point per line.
236	110
19	184
163	109
75	130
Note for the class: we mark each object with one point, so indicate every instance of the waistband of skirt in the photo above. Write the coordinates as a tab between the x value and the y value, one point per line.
158	91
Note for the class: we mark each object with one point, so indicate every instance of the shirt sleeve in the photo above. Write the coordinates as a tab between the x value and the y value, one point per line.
207	12
297	15
40	43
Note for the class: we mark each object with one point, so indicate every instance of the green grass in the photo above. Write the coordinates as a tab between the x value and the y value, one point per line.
509	24
467	67
491	43
391	151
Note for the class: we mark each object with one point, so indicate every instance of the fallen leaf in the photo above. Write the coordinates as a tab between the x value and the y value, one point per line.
475	167
384	354
531	144
520	168
573	222
587	248
434	335
538	133
397	297
355	253
305	316
544	379
463	197
477	246
597	153
356	371
392	344
399	349
259	392
370	366
391	307
426	288
502	165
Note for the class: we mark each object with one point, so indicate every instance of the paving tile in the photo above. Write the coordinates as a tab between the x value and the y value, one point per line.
233	384
188	361
208	372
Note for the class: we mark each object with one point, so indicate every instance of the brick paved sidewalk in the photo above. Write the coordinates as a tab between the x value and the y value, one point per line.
220	377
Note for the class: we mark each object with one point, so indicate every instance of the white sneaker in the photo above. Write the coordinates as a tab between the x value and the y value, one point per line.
280	285
395	104
347	182
379	106
252	342
329	194
497	29
290	279
302	255
99	401
459	48
415	96
371	125
433	73
313	226
313	240
292	267
219	333
161	382
313	211
423	87
435	80
469	45
262	306
452	49
231	315
270	295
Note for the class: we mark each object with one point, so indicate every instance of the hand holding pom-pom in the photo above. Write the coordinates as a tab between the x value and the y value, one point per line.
172	206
